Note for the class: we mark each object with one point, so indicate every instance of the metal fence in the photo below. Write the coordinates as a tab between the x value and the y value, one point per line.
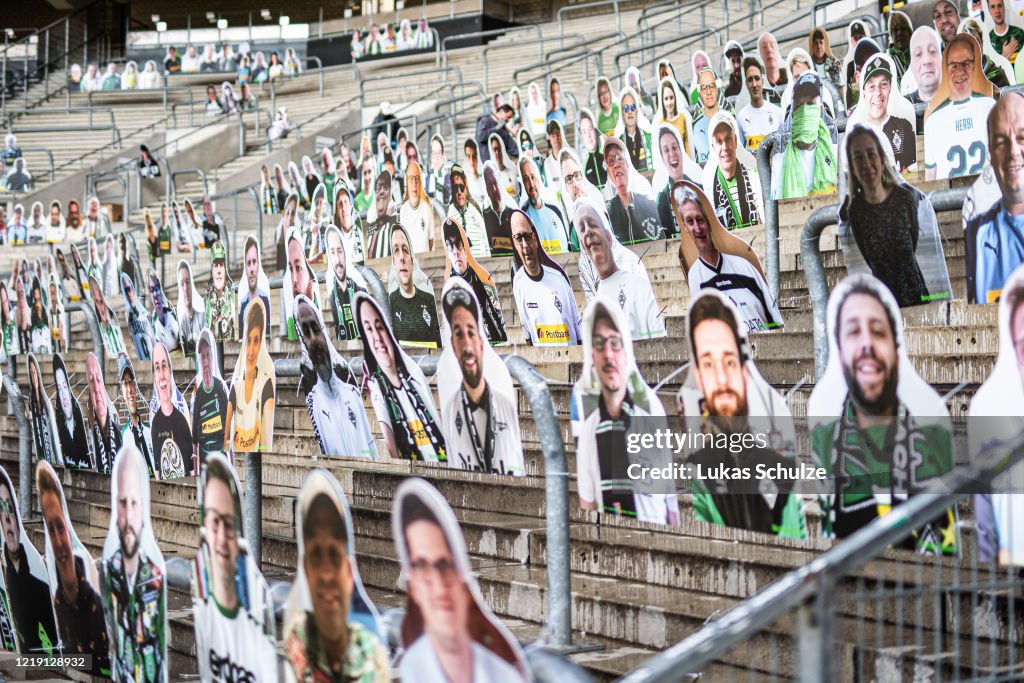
864	612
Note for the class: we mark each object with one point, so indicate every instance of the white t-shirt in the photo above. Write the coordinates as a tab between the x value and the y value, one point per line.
547	308
231	647
956	137
507	457
420	663
417	223
339	418
635	297
737	279
756	123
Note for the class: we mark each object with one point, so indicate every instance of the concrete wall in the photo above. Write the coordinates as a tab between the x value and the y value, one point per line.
207	149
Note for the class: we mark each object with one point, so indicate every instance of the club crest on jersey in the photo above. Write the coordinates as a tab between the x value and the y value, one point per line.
558	302
622	299
458	423
650	227
426	316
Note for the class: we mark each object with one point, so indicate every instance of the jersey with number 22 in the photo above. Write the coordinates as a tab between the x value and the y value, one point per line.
956	137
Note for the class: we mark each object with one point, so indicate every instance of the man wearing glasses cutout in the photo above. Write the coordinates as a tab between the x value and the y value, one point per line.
448	648
955	141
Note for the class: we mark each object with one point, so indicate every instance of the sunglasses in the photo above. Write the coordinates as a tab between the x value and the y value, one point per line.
629	108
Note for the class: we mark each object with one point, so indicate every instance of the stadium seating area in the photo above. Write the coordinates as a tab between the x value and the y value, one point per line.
636	588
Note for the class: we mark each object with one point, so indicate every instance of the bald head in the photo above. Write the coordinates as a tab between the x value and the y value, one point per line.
1006	149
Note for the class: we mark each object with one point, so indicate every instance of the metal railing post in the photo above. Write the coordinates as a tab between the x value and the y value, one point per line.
375	286
771	213
556	498
16	398
814	637
254	506
94	328
817	283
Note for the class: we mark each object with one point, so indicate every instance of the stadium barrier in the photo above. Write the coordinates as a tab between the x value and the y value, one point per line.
813	591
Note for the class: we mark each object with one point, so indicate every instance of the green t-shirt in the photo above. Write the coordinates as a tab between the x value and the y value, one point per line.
998	41
362	202
860	461
606	123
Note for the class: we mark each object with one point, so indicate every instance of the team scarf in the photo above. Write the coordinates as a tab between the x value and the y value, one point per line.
404	438
617	489
900	457
808	127
736	215
341	303
108	441
42	427
485	454
490	308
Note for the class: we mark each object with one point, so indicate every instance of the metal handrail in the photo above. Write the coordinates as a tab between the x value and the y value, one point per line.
572	53
320	70
556	497
187	171
810	587
94	328
93	180
814	268
439	116
588	5
771	212
164	90
442	59
692	35
405	74
519	43
475	84
59	110
233	195
43	150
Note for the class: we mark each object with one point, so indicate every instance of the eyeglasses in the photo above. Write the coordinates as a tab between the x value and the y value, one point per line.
574	177
425	571
614	159
614	343
966	66
7	507
629	108
523	238
223	522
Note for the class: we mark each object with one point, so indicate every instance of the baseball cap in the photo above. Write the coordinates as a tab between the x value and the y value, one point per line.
807	83
217	252
124	365
864	49
459	296
876	64
733	46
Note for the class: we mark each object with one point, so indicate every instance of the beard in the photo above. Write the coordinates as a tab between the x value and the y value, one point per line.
886	400
129	550
728	419
472	377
